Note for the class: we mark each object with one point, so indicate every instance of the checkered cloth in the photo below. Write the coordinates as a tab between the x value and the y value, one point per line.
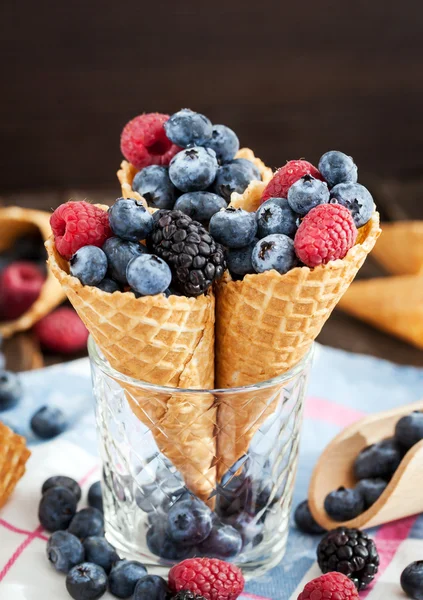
343	388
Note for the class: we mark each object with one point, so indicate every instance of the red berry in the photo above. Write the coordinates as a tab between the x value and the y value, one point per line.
144	142
78	224
332	586
20	286
62	331
209	577
326	233
284	177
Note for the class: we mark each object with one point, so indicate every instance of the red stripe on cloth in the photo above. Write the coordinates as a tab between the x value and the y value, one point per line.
86	477
319	409
11	527
18	552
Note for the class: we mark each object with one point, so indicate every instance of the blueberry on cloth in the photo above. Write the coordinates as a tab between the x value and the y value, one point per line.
151	587
95	496
63	481
124	576
48	422
86	582
10	390
64	551
412	580
86	523
57	508
100	552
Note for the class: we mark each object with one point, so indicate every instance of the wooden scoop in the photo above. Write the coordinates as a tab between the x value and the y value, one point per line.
402	497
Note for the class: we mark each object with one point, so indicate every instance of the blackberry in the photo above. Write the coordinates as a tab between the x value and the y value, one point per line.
351	552
194	257
187	595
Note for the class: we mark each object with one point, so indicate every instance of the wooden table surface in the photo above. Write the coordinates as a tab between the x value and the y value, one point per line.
395	200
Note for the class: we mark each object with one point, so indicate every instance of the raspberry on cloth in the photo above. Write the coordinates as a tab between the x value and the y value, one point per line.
333	586
211	578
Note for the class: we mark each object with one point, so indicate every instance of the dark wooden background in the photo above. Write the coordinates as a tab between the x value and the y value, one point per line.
293	79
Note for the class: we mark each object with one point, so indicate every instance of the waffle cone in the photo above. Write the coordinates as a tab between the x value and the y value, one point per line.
265	325
13	457
14	223
400	248
393	304
167	342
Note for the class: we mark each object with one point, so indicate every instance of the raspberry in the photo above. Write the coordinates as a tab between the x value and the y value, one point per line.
333	586
209	577
144	142
284	177
62	331
78	224
20	286
326	233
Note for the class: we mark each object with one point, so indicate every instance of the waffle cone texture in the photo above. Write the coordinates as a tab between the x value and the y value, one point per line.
13	457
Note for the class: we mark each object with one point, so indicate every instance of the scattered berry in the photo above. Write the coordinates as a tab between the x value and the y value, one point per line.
240	260
124	576
304	520
86	582
57	508
233	227
351	552
95	496
10	390
194	169
48	422
233	177
209	577
144	142
286	176
224	142
357	199
62	481
100	552
190	521
409	429
276	216
130	220
336	167
200	206
89	265
274	252
344	504
108	285
223	542
412	580
188	128
333	586
87	522
326	233
371	490
151	587
119	253
379	460
64	551
148	275
154	185
78	224
20	286
62	331
307	193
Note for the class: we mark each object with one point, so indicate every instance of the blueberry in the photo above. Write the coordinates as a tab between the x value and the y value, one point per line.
233	227
250	529
161	544
357	199
371	490
150	497
108	285
95	496
188	128
124	576
235	495
200	206
336	167
194	169
130	220
274	252
239	260
344	504
223	542
189	521
233	177
148	275
62	481
89	265
249	166
379	460
307	193
87	522
100	552
412	580
154	185
10	390
64	551
48	422
409	430
119	253
276	216
151	587
304	520
86	582
224	142
57	508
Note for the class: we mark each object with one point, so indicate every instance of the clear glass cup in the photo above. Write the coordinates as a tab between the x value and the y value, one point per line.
141	484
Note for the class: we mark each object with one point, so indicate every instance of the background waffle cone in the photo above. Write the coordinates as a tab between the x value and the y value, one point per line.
265	325
167	342
13	457
400	248
14	223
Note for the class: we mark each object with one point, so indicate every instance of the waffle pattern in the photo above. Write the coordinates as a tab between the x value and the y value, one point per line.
13	457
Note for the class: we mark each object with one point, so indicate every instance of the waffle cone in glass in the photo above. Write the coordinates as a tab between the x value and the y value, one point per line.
266	323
